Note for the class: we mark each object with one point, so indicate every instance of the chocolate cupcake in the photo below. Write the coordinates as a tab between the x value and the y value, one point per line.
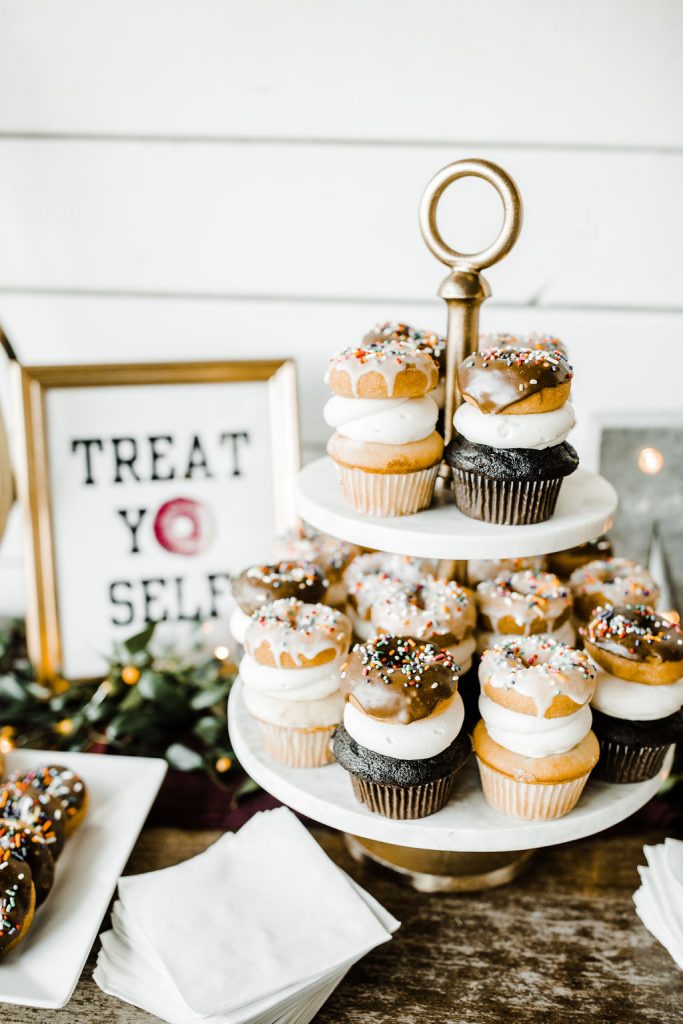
402	740
509	454
639	690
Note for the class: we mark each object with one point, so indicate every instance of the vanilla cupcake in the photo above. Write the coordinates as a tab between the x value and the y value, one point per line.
369	576
385	446
291	676
610	581
330	554
402	740
430	609
509	452
638	691
523	603
534	745
260	584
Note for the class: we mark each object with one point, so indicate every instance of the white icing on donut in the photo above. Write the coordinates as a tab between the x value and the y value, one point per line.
386	358
618	580
382	420
566	634
368	575
534	430
308	545
413	741
479	569
300	631
427	609
530	735
296	714
539	668
313	683
525	597
635	702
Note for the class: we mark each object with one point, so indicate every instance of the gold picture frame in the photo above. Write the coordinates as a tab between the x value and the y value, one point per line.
33	386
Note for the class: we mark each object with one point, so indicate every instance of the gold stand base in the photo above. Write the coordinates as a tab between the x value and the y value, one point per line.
437	870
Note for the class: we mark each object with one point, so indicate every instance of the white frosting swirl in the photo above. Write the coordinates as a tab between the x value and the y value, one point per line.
635	702
530	735
382	420
291	683
296	714
415	741
533	430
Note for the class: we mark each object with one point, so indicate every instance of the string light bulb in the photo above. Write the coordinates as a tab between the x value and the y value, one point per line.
65	727
223	764
6	739
221	653
130	675
650	461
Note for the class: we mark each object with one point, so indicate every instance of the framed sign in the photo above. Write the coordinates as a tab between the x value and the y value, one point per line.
144	486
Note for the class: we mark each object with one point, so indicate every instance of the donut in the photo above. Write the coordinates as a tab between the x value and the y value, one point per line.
21	842
543	342
67	788
635	643
515	380
367	576
184	526
564	563
261	584
391	331
614	581
382	370
431	609
290	634
41	811
523	603
535	675
17	902
479	569
329	553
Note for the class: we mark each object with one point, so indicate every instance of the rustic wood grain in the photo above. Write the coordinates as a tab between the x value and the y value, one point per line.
562	944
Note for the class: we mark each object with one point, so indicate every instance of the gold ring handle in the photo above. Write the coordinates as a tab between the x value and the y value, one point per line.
512	214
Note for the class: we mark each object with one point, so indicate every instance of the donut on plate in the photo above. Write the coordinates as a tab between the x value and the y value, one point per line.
21	842
17	902
65	786
41	811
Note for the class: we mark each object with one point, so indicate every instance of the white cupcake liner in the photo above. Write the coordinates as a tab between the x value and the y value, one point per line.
298	748
387	494
534	801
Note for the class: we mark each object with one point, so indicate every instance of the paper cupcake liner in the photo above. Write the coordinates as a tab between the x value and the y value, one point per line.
404	802
622	762
534	801
298	748
509	502
387	494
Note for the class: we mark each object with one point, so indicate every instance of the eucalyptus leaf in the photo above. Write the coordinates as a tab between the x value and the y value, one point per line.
207	698
183	758
137	643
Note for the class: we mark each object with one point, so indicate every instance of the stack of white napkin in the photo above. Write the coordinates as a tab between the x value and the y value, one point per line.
262	927
659	901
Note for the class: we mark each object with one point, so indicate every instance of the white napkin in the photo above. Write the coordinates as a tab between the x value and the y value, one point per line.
659	900
260	927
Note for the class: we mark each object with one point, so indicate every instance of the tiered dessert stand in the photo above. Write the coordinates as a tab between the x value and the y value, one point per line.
467	845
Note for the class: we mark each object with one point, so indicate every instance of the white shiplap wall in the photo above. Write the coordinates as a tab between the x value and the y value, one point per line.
215	177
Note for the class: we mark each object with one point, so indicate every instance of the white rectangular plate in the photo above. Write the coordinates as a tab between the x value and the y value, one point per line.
43	970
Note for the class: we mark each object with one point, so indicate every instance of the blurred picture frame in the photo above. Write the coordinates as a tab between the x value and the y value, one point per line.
143	486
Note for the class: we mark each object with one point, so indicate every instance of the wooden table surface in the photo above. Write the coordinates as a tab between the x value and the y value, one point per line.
561	944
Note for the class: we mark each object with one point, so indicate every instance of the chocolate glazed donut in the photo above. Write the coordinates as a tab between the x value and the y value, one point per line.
17	903
22	803
23	843
261	584
633	642
506	380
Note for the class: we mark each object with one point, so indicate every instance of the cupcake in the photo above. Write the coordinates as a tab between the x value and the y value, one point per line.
261	584
564	563
402	740
508	453
523	604
534	744
385	446
330	554
638	692
610	581
291	676
479	569
368	577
